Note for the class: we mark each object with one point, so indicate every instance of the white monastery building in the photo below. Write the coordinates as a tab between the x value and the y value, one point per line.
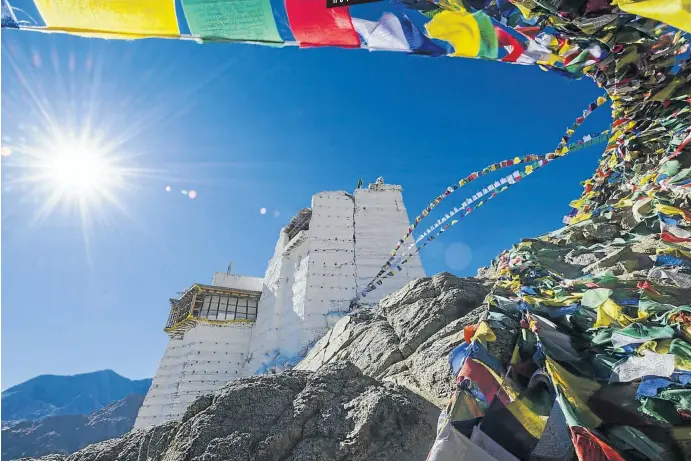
240	326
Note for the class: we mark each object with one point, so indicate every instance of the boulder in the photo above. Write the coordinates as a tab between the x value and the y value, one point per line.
335	413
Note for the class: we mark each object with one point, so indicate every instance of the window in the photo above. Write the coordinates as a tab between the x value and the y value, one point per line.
241	312
223	308
252	309
232	304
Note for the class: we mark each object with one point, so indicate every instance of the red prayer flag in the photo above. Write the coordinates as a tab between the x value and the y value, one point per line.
313	24
671	238
590	448
478	373
506	39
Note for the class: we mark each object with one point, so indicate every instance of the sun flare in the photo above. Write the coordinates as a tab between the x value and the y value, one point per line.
78	170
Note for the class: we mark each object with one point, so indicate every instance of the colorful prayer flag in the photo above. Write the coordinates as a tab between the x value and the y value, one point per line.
250	20
108	19
676	13
313	24
387	34
471	35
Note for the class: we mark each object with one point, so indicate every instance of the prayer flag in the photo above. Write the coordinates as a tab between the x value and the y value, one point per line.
387	34
232	19
676	13
470	34
108	19
313	24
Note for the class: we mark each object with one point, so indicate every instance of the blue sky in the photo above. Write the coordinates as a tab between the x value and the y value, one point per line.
248	127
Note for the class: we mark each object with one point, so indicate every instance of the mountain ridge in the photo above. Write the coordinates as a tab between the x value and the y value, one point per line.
66	434
60	395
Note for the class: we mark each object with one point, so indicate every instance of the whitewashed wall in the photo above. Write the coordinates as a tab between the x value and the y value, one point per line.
239	282
206	358
265	329
381	220
332	270
316	276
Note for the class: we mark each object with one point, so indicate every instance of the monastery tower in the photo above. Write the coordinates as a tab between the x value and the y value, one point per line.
240	326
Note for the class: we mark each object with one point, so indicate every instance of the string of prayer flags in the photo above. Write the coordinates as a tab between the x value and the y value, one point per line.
515	32
535	162
251	20
107	19
314	25
562	149
591	140
479	198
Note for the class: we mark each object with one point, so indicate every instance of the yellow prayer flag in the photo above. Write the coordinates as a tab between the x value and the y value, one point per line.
670	210
607	313
516	355
452	5
579	203
458	28
676	13
522	409
553	302
111	18
613	161
624	203
579	218
576	390
484	334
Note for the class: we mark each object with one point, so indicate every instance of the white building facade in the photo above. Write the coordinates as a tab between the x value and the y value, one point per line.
241	326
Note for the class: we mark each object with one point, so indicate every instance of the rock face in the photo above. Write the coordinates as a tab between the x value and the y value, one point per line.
407	339
336	413
82	394
67	434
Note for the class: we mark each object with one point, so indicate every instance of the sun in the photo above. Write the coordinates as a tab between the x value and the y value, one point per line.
80	171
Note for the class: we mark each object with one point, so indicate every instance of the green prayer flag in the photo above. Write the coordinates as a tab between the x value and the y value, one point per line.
681	349
670	167
250	20
489	43
595	297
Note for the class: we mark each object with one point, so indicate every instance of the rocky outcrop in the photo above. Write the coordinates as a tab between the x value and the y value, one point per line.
406	340
336	413
67	434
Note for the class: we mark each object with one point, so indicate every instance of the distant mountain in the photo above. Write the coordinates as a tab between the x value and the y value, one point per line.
50	395
67	434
